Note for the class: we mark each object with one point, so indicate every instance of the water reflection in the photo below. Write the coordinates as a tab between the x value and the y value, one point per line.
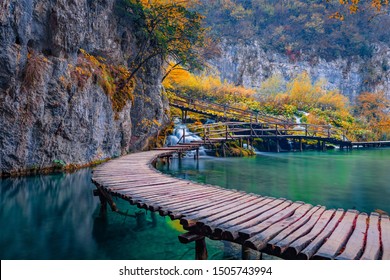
57	217
47	217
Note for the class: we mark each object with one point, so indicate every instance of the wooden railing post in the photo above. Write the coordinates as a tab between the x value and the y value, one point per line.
204	135
226	131
306	130
184	135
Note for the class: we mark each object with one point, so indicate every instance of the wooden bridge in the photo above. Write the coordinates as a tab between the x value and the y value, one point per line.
243	131
247	125
221	112
276	226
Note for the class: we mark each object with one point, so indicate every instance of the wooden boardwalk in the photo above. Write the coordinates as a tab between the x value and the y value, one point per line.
280	227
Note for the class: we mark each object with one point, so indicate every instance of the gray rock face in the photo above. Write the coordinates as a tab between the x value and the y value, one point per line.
250	65
52	119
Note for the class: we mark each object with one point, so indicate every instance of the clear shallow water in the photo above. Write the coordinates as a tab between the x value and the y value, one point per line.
57	217
337	179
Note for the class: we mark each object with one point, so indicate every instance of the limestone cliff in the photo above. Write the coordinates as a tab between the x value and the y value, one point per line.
52	107
249	64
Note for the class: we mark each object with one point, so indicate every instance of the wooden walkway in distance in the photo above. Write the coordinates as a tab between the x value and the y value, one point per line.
368	144
276	226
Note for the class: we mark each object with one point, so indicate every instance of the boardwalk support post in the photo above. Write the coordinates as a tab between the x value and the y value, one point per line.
201	249
105	198
141	219
245	253
200	244
103	204
300	145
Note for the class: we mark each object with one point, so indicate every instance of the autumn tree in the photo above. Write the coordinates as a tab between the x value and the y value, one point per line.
355	6
164	28
373	109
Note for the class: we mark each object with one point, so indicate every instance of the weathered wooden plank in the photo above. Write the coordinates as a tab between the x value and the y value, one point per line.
213	207
244	215
148	184
302	237
283	236
232	233
174	193
283	214
170	196
154	187
385	236
264	206
189	237
231	212
222	211
187	208
315	244
355	245
259	241
143	181
372	249
338	238
169	200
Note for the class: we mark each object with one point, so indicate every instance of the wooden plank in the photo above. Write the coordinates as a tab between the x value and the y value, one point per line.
175	199
172	196
302	237
212	206
231	212
189	237
148	184
337	240
157	202
222	211
283	236
244	215
283	214
137	180
372	249
155	187
355	245
385	236
187	208
264	206
259	241
315	244
232	233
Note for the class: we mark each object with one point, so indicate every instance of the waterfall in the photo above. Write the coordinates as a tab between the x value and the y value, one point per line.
178	132
176	136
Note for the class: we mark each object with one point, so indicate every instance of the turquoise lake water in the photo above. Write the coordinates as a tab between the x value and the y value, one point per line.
336	179
57	217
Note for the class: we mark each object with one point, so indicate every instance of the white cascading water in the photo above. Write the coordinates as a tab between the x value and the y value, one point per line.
177	136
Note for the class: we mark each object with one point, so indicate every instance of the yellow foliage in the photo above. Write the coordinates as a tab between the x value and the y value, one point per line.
114	80
209	87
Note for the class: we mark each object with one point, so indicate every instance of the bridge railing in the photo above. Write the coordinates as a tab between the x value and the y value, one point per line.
236	130
222	110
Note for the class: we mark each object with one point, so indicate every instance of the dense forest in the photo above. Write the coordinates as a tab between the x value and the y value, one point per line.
322	28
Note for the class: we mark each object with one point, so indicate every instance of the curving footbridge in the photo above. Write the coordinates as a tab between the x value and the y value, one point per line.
276	226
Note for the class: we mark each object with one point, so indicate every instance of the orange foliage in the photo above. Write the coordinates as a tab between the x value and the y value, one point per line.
373	111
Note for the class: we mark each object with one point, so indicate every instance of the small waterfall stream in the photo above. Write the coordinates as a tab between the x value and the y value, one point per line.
177	137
